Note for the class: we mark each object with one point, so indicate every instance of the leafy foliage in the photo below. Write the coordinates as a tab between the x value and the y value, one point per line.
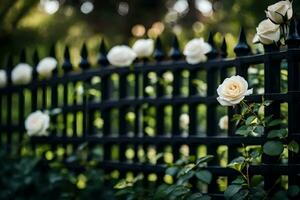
29	177
183	171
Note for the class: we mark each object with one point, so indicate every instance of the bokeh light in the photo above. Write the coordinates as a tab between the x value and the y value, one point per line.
49	6
87	7
123	8
181	6
204	6
138	30
156	29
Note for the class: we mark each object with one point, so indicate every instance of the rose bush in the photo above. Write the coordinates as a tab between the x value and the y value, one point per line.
21	74
37	124
233	90
195	51
3	78
121	55
143	48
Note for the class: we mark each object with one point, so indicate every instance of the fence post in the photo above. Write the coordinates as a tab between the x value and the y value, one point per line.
242	49
9	67
54	96
87	114
159	56
21	102
211	115
293	42
67	67
272	85
105	95
175	54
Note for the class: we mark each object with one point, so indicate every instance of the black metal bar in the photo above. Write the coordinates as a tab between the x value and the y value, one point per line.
211	115
67	67
272	85
9	66
293	42
105	95
21	106
160	120
175	54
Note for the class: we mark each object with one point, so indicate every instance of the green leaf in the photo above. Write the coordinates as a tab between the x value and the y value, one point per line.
237	163
195	196
231	191
250	119
281	133
185	177
204	176
275	122
293	190
204	159
238	181
179	190
259	129
242	194
160	192
172	171
293	146
186	169
273	148
243	132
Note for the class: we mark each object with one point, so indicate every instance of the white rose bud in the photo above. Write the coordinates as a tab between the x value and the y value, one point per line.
223	122
37	124
195	51
233	90
46	67
21	74
121	55
168	76
3	78
143	47
184	120
267	32
280	12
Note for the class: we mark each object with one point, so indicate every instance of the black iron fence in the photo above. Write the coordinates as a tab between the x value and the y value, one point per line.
123	117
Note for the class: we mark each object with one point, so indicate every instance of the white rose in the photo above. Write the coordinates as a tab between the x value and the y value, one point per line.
21	74
168	76
143	47
37	124
233	90
280	12
46	66
121	55
184	120
3	78
267	32
223	122
195	51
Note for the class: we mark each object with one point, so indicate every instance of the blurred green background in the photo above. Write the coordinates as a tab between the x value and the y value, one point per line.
39	23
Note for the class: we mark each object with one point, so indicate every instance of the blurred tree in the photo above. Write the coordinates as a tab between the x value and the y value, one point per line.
34	23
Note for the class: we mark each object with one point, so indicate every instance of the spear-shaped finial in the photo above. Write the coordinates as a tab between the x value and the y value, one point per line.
242	48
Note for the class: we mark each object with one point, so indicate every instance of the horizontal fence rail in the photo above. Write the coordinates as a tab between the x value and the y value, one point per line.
123	116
